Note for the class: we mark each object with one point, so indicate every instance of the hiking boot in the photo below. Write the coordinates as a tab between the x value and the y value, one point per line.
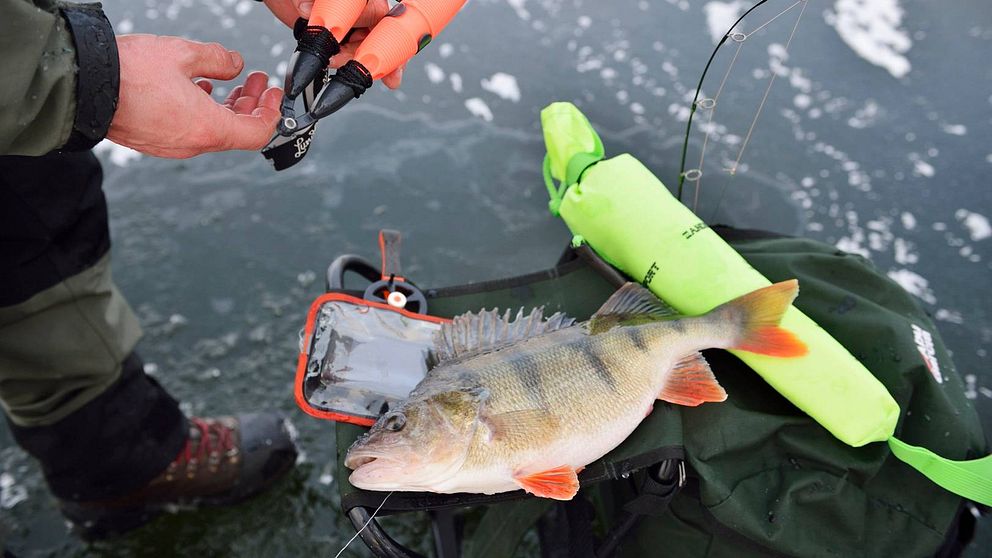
224	461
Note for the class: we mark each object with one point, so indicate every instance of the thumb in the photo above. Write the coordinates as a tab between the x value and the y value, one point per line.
212	60
253	131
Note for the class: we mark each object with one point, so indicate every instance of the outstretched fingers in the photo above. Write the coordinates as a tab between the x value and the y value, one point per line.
252	129
248	95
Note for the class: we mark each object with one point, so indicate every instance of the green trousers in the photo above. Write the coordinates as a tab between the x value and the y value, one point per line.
74	394
64	346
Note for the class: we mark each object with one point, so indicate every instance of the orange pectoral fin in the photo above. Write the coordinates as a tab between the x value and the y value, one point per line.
560	483
692	383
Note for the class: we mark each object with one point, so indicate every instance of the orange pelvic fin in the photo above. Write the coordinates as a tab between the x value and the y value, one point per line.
692	383
560	483
759	314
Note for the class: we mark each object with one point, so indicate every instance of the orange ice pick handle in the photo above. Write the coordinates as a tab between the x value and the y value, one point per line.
400	35
337	16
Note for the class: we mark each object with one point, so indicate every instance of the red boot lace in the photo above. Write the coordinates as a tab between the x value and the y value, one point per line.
211	448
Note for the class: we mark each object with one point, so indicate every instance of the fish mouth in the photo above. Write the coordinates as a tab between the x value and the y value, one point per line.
357	459
372	471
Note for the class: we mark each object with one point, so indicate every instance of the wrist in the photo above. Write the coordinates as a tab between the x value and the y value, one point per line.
97	76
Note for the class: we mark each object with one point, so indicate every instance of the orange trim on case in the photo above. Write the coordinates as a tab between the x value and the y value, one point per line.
301	363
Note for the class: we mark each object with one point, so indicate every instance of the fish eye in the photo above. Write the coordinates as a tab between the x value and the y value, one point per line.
394	422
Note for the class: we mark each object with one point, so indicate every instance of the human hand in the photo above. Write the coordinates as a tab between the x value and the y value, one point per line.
288	11
162	112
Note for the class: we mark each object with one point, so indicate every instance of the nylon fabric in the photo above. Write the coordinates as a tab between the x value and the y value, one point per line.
765	478
38	89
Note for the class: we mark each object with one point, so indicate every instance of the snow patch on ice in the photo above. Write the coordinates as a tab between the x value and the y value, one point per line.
518	6
243	7
721	15
908	220
914	284
504	85
117	154
479	108
955	129
434	72
976	223
921	167
872	29
11	493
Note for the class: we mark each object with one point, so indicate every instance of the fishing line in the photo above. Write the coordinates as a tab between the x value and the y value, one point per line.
761	106
771	81
695	175
699	87
762	26
359	532
709	124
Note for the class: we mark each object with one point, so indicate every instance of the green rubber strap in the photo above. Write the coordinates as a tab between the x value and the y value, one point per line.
971	479
555	192
577	165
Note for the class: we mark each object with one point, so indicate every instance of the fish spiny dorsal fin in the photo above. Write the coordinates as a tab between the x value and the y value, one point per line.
631	305
473	334
691	383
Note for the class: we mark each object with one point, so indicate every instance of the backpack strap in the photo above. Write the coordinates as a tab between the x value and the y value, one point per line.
971	479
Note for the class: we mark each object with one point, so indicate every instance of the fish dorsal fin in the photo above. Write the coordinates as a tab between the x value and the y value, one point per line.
631	305
473	334
691	383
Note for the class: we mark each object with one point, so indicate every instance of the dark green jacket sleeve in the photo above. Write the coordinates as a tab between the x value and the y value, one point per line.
60	76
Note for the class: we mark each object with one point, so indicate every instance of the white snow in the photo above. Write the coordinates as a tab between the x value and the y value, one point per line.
908	220
923	168
117	154
914	284
125	26
456	82
434	72
518	6
955	129
11	493
872	29
446	50
504	85
976	223
479	108
584	22
721	15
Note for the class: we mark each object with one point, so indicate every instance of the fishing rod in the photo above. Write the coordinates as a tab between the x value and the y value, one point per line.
738	37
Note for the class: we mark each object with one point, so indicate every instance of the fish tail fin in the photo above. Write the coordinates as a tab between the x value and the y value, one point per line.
757	315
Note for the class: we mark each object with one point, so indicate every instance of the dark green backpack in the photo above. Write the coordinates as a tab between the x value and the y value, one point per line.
766	479
759	477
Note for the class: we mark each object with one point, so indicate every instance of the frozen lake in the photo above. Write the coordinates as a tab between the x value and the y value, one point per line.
875	137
